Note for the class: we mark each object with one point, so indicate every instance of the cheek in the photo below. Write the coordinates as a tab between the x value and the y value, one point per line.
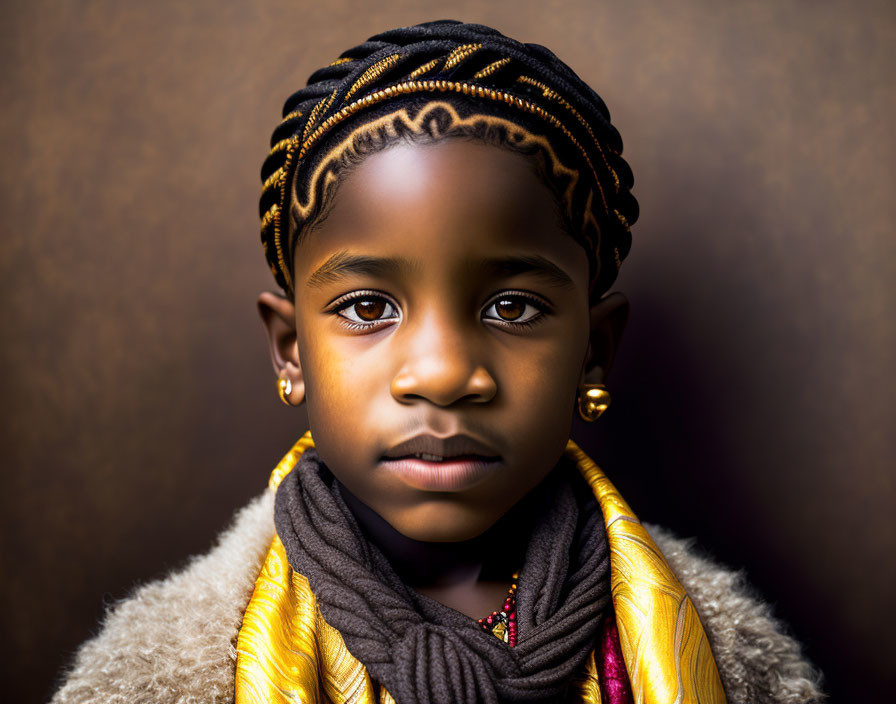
545	372
539	395
343	376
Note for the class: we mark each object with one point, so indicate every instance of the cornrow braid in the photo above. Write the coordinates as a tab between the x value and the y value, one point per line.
443	79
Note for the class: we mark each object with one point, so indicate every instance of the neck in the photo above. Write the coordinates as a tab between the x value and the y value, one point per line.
493	556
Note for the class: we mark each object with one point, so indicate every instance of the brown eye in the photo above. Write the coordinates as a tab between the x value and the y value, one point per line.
516	309
509	309
366	311
370	309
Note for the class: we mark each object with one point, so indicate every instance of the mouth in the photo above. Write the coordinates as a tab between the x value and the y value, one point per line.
451	464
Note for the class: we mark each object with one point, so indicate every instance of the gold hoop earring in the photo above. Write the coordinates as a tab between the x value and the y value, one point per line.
284	389
593	401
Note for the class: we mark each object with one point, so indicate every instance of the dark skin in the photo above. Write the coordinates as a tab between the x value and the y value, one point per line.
469	314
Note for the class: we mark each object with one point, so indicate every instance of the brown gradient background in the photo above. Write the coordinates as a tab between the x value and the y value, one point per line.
754	394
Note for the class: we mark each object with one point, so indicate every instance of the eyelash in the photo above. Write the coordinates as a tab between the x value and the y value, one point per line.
346	301
541	306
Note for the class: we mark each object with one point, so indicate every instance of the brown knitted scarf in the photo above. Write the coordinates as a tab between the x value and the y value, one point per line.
423	652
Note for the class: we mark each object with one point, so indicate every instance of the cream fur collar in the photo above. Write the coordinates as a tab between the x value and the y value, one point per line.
173	640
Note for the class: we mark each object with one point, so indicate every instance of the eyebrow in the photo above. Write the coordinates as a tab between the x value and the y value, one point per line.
343	264
533	264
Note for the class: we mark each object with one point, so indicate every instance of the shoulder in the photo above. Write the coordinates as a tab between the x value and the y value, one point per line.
175	638
758	661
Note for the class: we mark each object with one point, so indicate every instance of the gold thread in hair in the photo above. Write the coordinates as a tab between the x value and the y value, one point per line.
312	116
281	258
269	216
460	53
492	68
322	105
406	87
399	120
551	94
272	217
290	116
282	144
425	68
273	179
622	219
343	60
388	124
372	73
419	86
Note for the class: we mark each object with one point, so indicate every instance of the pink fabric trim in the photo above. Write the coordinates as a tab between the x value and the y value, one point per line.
615	687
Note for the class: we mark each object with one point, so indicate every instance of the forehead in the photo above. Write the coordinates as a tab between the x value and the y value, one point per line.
441	205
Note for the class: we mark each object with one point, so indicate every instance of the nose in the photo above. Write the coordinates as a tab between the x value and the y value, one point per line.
441	365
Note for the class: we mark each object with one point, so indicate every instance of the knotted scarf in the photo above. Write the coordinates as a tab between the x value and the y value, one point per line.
423	652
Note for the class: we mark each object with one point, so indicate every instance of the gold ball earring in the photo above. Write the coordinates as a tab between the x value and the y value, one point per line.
593	401
284	389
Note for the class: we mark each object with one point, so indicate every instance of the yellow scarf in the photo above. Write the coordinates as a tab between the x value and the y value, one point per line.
287	652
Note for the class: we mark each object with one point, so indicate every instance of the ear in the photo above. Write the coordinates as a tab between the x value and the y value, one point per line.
608	319
278	314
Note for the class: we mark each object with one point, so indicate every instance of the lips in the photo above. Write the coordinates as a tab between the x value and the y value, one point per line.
451	464
441	448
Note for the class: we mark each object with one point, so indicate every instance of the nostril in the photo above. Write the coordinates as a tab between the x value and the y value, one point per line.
482	385
443	385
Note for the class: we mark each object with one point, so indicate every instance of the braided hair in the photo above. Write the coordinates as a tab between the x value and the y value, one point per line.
445	79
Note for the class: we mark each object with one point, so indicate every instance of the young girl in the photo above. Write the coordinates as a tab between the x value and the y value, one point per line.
444	209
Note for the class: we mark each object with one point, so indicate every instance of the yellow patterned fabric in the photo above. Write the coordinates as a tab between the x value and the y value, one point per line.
287	652
664	646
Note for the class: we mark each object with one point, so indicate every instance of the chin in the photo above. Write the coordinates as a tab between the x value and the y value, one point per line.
438	523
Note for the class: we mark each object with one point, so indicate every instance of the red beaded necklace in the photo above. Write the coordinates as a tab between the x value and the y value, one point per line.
502	624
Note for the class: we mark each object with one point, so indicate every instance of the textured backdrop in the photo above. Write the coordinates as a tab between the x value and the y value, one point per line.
754	394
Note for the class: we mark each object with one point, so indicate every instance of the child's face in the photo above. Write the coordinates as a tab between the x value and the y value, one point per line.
441	297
